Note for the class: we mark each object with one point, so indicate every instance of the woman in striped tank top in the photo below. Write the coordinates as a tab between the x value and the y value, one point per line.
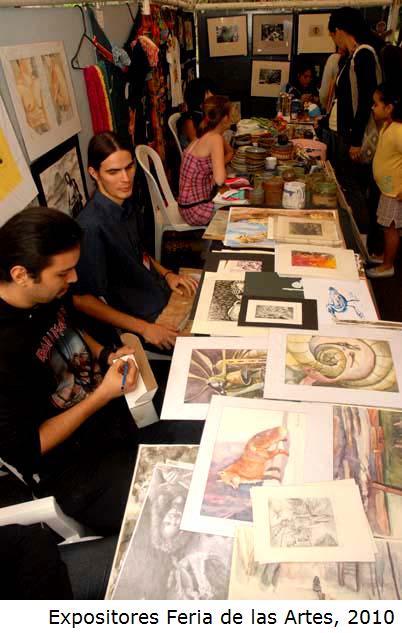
202	169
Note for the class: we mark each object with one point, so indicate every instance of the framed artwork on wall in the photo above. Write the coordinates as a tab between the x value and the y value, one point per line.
39	82
60	178
272	34
227	36
188	35
267	78
313	35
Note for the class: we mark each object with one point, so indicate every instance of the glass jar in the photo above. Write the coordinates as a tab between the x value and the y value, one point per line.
324	194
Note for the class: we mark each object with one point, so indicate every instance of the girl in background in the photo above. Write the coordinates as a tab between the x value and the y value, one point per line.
202	168
387	169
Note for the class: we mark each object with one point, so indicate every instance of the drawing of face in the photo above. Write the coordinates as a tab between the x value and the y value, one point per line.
171	521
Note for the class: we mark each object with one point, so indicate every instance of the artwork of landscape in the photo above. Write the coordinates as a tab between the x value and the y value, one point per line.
313	260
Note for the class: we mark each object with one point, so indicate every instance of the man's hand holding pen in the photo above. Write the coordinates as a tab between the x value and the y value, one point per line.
120	378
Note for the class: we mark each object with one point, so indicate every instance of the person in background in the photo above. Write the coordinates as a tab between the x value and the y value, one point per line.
118	282
304	85
63	423
350	114
194	97
387	169
202	169
329	75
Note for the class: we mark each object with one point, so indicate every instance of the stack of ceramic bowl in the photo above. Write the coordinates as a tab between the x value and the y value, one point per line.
242	139
266	141
255	159
238	161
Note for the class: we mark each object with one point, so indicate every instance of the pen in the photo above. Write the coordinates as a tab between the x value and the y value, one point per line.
125	372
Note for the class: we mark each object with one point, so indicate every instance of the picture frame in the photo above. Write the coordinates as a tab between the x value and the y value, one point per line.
287	439
268	77
355	365
60	178
313	36
202	367
40	86
188	35
270	312
227	36
272	34
315	261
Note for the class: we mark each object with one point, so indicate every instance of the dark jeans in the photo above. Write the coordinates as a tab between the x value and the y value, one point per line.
90	474
360	189
34	567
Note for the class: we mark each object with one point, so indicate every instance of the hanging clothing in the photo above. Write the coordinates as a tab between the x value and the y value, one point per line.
173	59
98	99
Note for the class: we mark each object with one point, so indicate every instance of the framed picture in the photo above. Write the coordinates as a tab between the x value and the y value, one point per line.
315	261
274	312
39	82
267	78
313	35
188	35
60	178
272	34
235	113
227	36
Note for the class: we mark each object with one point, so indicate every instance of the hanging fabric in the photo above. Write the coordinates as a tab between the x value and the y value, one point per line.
98	99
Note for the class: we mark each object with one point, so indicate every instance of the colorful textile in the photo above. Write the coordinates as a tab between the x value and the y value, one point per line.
195	185
98	99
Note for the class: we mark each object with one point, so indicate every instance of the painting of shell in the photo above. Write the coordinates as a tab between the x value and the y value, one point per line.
368	447
321	361
225	372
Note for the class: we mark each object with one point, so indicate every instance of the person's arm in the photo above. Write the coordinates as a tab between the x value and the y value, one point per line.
182	284
228	152
365	69
218	160
189	130
58	428
159	335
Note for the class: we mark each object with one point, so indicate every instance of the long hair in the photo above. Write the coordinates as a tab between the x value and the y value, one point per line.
215	109
102	145
352	22
32	237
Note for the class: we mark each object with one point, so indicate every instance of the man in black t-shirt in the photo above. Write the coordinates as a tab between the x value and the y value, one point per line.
61	425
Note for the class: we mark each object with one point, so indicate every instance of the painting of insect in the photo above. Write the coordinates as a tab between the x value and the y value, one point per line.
225	372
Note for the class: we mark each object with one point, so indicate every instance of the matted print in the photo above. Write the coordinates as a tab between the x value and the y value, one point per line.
218	306
315	261
272	34
250	580
273	312
148	456
313	35
267	77
249	227
203	367
311	523
40	86
340	300
236	261
356	365
227	36
307	231
367	447
253	443
162	561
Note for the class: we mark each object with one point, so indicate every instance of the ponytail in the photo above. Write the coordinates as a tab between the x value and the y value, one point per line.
215	109
391	95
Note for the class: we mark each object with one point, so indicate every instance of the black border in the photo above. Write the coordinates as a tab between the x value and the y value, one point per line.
51	157
213	259
309	313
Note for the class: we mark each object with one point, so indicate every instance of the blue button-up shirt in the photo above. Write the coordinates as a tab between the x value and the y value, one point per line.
111	262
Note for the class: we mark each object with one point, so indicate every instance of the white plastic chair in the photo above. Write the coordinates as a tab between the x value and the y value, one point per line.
172	123
166	210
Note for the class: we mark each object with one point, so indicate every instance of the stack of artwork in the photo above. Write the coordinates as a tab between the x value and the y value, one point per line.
263	228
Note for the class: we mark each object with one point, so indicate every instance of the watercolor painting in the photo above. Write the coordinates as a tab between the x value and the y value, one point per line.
225	372
307	522
245	461
313	259
347	363
368	447
250	580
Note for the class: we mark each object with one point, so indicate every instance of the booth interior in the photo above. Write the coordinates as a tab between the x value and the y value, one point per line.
224	356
